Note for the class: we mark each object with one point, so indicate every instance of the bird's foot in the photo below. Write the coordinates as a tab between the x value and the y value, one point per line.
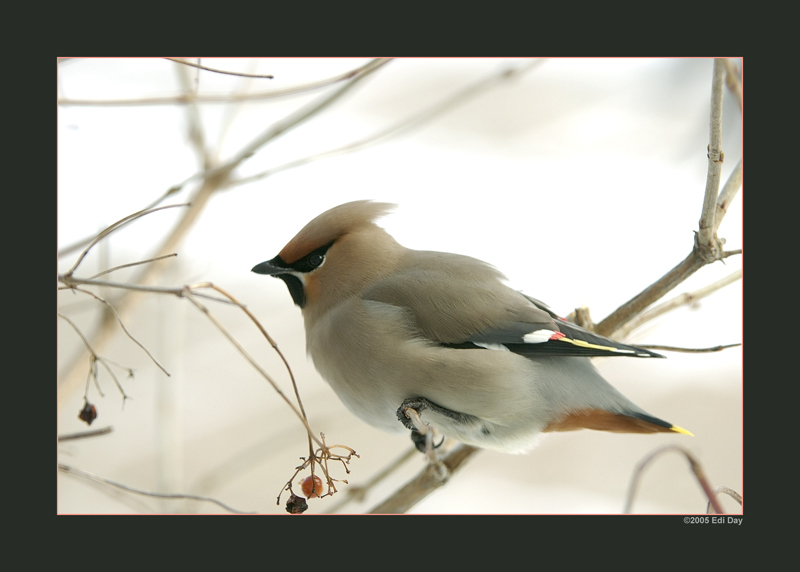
421	434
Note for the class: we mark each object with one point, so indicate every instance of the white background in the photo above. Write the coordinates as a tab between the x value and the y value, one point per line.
582	180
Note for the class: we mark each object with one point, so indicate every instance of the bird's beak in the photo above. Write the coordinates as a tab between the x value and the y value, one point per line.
277	268
270	267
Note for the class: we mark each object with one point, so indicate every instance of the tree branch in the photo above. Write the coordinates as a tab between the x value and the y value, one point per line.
694	465
231	98
707	244
225	72
102	480
213	180
625	313
707	247
681	300
728	193
430	479
404	125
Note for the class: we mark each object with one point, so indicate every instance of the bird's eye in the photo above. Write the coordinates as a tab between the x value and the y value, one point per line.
312	260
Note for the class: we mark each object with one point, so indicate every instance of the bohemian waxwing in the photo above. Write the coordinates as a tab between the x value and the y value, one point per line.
391	328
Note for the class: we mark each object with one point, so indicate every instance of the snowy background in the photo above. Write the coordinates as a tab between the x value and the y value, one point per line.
581	179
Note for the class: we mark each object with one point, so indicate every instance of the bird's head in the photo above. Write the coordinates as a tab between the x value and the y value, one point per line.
339	253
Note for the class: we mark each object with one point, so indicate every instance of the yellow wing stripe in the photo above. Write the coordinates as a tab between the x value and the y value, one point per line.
583	344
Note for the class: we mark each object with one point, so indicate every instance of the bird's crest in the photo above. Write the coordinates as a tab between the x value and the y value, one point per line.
331	225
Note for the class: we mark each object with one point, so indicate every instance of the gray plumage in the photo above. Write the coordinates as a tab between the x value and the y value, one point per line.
385	324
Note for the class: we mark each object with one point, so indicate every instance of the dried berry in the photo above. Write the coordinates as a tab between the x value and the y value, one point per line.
88	413
296	505
312	488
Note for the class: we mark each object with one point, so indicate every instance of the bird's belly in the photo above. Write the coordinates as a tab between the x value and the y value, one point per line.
374	374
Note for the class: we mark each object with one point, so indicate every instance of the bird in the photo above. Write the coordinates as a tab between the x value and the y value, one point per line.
396	331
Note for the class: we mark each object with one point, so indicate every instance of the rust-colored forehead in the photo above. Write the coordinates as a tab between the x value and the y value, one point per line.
331	225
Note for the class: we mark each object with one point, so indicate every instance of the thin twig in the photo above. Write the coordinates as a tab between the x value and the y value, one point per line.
300	413
733	82
194	124
94	359
189	292
204	68
98	479
695	466
120	267
321	457
682	300
232	109
730	492
324	453
688	350
110	371
229	98
404	125
297	118
71	281
213	180
358	493
117	225
85	434
728	193
122	325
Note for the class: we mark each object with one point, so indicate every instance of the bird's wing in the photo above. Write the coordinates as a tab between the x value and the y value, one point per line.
561	338
460	302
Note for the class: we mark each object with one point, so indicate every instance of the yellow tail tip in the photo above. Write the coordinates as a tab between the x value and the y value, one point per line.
681	430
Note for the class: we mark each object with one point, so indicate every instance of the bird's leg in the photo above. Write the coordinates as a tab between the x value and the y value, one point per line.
421	434
420	404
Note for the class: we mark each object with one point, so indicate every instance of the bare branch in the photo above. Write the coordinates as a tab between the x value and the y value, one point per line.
72	281
695	466
407	124
357	494
121	325
189	293
219	177
98	479
300	413
85	434
677	302
110	371
231	98
706	240
688	350
728	193
426	482
322	455
119	224
204	68
730	492
213	180
194	124
120	267
297	118
94	359
622	315
733	82
707	247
